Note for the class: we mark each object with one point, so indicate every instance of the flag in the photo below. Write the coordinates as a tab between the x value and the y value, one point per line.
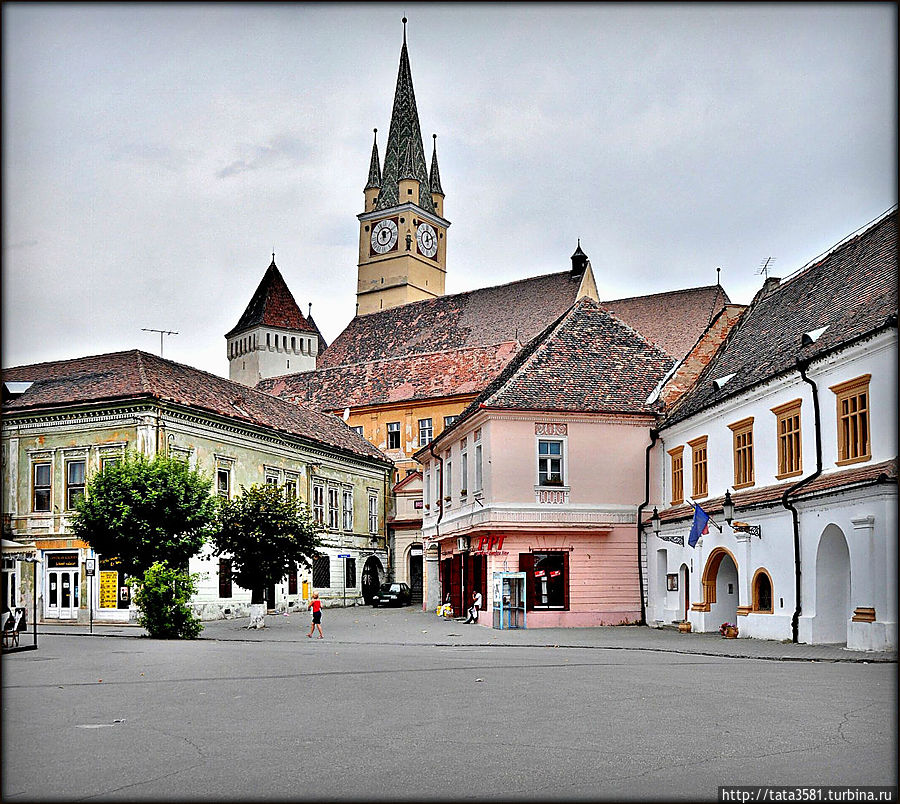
700	525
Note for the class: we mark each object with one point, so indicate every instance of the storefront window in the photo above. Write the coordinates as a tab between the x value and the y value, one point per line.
549	580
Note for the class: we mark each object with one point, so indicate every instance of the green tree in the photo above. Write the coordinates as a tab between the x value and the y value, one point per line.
146	510
163	596
267	535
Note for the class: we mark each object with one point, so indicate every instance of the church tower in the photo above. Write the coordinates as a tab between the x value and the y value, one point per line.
402	232
272	337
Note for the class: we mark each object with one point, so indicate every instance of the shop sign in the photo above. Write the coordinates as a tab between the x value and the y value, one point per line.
492	544
57	560
109	589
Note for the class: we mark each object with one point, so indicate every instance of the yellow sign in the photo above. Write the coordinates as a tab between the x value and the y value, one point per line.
109	590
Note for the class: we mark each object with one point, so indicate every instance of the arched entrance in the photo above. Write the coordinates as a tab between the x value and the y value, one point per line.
684	585
720	588
832	605
372	577
414	572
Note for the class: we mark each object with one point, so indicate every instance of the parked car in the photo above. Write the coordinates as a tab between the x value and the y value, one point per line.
392	594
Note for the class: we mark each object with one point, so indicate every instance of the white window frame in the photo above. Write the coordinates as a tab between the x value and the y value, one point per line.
334	508
479	468
464	473
426	434
319	503
563	456
347	509
373	514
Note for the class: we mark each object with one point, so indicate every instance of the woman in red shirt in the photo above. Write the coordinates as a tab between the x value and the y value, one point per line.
316	605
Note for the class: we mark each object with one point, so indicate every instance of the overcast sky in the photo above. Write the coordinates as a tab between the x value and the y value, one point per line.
155	155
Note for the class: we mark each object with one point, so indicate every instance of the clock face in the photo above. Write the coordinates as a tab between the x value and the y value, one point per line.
384	236
426	238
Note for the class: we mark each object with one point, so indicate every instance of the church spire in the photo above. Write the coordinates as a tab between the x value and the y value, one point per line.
435	178
374	181
404	156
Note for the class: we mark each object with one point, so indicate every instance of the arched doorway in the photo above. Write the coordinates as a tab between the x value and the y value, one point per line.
414	572
720	588
372	577
832	604
684	584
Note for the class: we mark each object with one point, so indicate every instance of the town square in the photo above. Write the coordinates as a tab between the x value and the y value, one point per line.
527	434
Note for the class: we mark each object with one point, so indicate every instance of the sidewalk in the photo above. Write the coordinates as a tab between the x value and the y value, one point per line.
365	625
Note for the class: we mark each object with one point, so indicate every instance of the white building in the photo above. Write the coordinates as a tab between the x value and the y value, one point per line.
795	418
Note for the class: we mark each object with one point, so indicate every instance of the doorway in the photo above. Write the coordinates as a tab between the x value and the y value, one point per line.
832	588
371	578
415	574
684	581
62	586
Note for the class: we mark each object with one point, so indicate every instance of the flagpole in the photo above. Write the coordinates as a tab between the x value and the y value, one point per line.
694	505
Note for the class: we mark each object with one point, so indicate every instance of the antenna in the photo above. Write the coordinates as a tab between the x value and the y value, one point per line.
161	333
764	268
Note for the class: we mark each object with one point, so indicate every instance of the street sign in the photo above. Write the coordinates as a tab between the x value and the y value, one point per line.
343	555
89	566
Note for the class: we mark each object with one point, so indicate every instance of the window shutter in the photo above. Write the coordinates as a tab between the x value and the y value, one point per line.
526	565
566	580
483	581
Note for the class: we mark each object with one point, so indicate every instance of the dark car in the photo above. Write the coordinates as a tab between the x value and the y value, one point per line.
392	594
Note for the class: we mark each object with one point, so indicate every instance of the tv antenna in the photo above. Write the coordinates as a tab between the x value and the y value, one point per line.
161	333
764	268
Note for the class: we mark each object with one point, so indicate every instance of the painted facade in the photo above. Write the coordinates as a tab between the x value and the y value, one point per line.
846	556
48	446
405	534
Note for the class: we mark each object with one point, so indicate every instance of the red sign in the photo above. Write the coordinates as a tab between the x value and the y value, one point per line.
490	543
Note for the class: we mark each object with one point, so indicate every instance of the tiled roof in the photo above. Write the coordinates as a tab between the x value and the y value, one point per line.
272	305
138	375
404	156
513	312
862	474
323	344
587	361
414	377
673	320
852	291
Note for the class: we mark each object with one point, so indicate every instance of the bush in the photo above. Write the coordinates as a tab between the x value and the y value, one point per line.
163	596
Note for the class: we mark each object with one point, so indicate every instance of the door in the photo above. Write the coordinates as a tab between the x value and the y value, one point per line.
61	593
270	598
415	577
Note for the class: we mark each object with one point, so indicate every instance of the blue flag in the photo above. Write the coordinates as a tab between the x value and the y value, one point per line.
700	525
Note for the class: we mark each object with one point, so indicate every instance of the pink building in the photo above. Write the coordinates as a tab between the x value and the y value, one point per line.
543	475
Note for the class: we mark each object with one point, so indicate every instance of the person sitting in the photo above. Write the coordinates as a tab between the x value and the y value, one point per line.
474	609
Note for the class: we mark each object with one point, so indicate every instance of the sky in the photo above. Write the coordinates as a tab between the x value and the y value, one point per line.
154	156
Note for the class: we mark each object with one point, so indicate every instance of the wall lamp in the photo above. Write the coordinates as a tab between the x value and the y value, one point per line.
654	521
737	527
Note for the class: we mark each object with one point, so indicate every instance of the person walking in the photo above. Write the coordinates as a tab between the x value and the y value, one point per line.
316	605
473	611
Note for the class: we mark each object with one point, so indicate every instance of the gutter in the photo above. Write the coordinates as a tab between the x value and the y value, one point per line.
795	619
654	435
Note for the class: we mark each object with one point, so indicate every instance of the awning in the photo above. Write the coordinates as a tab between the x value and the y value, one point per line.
18	549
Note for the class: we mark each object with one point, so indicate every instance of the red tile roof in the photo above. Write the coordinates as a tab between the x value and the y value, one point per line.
136	375
272	305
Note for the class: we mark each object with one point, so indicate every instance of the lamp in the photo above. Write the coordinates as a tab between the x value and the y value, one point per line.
728	507
654	521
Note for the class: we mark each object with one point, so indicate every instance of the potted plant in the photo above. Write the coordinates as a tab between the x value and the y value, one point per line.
684	627
728	630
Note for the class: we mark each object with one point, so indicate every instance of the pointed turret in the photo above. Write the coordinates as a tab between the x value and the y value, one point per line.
272	337
579	260
434	179
373	185
404	157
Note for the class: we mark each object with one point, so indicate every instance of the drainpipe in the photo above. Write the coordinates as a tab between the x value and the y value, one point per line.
654	434
795	619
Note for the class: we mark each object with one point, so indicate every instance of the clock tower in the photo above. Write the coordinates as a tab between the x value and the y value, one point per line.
402	232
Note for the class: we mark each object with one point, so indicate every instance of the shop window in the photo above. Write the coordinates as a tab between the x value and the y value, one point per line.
74	483
334	508
762	592
319	503
854	443
40	495
676	457
224	577
550	463
790	459
546	579
348	510
393	435
699	481
742	433
321	572
426	432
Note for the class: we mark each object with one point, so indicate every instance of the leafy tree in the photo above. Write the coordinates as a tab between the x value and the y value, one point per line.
267	535
163	596
146	510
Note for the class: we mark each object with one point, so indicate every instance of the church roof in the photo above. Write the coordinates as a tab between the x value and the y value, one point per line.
586	361
137	375
851	292
272	305
404	156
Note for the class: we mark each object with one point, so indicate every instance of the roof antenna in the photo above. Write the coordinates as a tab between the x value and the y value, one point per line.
161	333
764	268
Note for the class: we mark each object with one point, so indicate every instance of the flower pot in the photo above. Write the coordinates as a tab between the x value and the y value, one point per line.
684	628
730	633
